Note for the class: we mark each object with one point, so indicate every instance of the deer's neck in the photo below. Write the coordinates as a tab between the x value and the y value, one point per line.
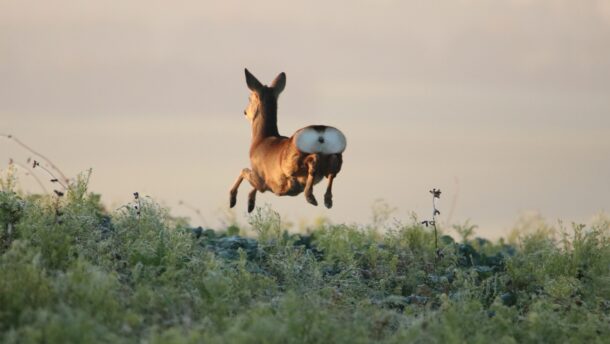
265	124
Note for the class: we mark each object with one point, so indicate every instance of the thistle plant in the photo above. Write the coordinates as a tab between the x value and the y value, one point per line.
138	205
436	194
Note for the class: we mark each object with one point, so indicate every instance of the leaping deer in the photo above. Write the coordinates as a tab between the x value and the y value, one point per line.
286	165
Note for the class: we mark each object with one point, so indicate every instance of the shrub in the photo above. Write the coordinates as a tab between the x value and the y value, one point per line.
70	271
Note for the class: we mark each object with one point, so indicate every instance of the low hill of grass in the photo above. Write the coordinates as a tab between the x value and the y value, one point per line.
71	272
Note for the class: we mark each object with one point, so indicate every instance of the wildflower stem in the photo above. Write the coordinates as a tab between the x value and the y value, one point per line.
434	212
28	148
30	173
53	178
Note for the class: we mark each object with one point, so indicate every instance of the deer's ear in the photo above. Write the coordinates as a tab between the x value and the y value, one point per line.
279	83
252	82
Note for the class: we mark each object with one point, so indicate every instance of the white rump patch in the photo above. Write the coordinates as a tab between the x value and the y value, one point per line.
320	139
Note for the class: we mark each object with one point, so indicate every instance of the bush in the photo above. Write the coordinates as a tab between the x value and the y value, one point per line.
73	272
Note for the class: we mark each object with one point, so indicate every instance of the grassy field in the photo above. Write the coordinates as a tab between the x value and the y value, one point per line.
72	272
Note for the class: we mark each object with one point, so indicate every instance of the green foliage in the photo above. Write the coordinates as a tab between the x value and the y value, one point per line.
8	179
71	272
465	230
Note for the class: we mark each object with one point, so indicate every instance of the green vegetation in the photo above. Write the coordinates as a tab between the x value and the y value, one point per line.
71	272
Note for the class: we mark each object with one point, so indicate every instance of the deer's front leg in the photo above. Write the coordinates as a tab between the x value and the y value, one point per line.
233	192
256	183
251	200
312	164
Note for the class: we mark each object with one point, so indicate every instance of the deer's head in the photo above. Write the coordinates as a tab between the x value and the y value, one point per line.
263	99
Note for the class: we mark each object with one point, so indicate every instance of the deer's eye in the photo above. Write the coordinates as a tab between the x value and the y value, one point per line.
245	113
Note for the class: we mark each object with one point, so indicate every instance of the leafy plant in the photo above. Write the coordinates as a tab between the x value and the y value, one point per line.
137	274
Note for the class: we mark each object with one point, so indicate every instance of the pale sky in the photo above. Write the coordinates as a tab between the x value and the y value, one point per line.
503	105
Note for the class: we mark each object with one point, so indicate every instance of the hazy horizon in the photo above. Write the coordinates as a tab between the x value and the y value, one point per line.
502	105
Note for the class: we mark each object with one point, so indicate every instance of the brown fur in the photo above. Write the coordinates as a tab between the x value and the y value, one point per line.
276	163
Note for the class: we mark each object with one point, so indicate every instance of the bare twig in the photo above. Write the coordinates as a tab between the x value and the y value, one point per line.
53	178
47	160
29	172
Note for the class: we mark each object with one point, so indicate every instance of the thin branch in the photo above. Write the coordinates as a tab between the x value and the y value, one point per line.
47	160
29	172
53	178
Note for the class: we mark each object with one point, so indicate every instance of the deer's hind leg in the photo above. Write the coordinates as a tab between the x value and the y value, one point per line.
251	200
254	180
312	164
328	196
335	162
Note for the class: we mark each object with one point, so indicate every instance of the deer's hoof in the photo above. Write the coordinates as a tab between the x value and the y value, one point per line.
328	200
232	201
311	199
250	206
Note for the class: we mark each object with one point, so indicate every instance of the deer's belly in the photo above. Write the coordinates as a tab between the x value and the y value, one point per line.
292	186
